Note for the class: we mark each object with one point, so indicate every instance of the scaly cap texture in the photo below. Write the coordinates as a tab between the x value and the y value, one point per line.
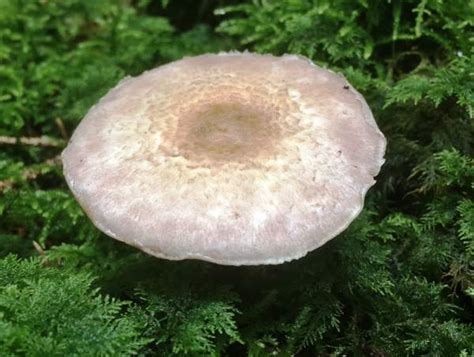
234	158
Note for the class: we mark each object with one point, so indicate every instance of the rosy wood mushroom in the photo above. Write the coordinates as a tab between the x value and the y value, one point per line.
234	158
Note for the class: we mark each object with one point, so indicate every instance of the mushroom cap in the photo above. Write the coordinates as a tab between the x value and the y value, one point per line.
233	158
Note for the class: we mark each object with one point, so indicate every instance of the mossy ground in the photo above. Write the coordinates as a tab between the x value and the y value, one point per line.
399	281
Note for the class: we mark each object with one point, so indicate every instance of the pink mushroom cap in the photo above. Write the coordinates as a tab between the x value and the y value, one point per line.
233	158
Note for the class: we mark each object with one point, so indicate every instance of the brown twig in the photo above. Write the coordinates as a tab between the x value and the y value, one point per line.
62	129
38	248
33	141
31	173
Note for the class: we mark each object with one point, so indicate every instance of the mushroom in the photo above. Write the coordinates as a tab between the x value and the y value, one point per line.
233	158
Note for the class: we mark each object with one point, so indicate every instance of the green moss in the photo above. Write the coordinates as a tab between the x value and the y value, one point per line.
398	282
